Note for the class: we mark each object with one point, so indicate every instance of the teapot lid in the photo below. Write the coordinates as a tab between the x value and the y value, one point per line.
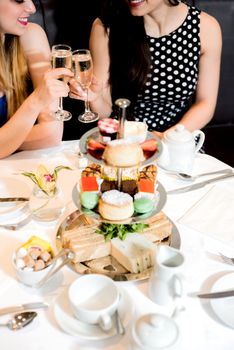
179	134
156	331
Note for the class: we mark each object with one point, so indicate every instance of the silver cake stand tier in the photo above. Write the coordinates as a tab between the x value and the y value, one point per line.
96	157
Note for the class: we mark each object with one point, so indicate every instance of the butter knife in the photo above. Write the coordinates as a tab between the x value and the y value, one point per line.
22	307
213	295
14	199
199	184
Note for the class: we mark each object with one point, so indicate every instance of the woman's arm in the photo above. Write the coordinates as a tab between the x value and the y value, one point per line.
99	48
21	124
48	131
201	112
99	93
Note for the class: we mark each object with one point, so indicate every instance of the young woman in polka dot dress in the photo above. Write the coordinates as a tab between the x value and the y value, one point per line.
163	55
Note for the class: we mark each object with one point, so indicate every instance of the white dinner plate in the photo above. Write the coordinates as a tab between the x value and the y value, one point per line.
224	307
12	212
71	325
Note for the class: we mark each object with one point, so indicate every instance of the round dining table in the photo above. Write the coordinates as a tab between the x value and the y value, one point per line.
202	323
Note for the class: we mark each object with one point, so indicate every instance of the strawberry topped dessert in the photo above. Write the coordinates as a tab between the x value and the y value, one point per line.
108	128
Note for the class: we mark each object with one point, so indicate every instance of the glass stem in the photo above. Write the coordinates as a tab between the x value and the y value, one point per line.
60	104
87	108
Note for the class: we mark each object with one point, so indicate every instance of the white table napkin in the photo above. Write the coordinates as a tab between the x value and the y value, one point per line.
213	214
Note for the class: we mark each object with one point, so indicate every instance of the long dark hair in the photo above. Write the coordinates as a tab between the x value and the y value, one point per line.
128	48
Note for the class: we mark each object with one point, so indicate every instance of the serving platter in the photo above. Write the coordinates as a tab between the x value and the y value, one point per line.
96	156
159	202
108	265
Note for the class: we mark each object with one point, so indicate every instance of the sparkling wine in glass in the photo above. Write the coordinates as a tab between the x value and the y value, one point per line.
62	58
82	66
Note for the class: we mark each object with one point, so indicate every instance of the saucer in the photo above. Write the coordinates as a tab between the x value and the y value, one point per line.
71	325
13	212
224	307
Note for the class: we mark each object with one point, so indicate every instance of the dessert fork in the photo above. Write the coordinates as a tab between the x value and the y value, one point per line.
227	259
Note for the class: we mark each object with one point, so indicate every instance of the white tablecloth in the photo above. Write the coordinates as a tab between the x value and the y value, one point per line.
199	326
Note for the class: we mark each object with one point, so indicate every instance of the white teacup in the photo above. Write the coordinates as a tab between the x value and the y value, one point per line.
165	283
94	299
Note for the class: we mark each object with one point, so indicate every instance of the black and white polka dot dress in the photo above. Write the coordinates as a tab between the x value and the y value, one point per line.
173	77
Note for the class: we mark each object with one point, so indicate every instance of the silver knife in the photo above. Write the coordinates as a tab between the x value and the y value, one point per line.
199	184
213	295
22	307
14	199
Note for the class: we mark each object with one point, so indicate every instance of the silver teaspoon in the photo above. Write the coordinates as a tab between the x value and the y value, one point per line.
19	320
119	324
192	178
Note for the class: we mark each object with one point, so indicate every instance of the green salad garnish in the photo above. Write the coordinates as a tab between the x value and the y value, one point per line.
110	231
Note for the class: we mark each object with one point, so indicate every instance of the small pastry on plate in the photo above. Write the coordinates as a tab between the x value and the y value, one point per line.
122	153
115	205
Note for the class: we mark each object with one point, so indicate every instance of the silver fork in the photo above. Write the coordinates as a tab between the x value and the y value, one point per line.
227	259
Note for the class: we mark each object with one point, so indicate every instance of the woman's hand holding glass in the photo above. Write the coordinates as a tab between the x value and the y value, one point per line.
82	67
51	88
61	57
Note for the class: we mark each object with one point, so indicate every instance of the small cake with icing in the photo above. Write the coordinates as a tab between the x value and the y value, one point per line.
122	153
108	128
143	205
89	200
135	131
115	205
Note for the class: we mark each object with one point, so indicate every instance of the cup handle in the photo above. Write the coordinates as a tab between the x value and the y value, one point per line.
105	322
201	139
177	286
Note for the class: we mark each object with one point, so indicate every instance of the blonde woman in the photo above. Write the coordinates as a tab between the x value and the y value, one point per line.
27	121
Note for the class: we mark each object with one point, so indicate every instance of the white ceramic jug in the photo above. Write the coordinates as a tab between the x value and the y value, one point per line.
179	149
165	283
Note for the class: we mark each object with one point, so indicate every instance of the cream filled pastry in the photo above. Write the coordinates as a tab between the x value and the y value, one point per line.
115	205
135	131
122	153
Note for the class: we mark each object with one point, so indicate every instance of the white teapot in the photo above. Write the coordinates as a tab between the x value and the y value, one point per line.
179	149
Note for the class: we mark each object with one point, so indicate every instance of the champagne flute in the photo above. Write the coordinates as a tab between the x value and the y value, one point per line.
62	58
82	66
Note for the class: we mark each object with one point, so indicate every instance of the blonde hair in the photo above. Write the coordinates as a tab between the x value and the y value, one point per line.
13	73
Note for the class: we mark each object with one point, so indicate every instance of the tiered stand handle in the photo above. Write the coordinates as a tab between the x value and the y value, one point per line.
122	103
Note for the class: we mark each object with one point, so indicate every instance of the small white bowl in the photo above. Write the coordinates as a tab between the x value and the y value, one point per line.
29	277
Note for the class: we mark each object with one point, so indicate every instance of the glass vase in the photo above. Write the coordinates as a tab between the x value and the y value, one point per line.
46	207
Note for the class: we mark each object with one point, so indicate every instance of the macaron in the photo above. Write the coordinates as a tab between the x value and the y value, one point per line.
143	205
89	200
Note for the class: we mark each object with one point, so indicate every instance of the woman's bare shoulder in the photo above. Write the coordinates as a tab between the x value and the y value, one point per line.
98	27
99	35
209	23
34	36
210	30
